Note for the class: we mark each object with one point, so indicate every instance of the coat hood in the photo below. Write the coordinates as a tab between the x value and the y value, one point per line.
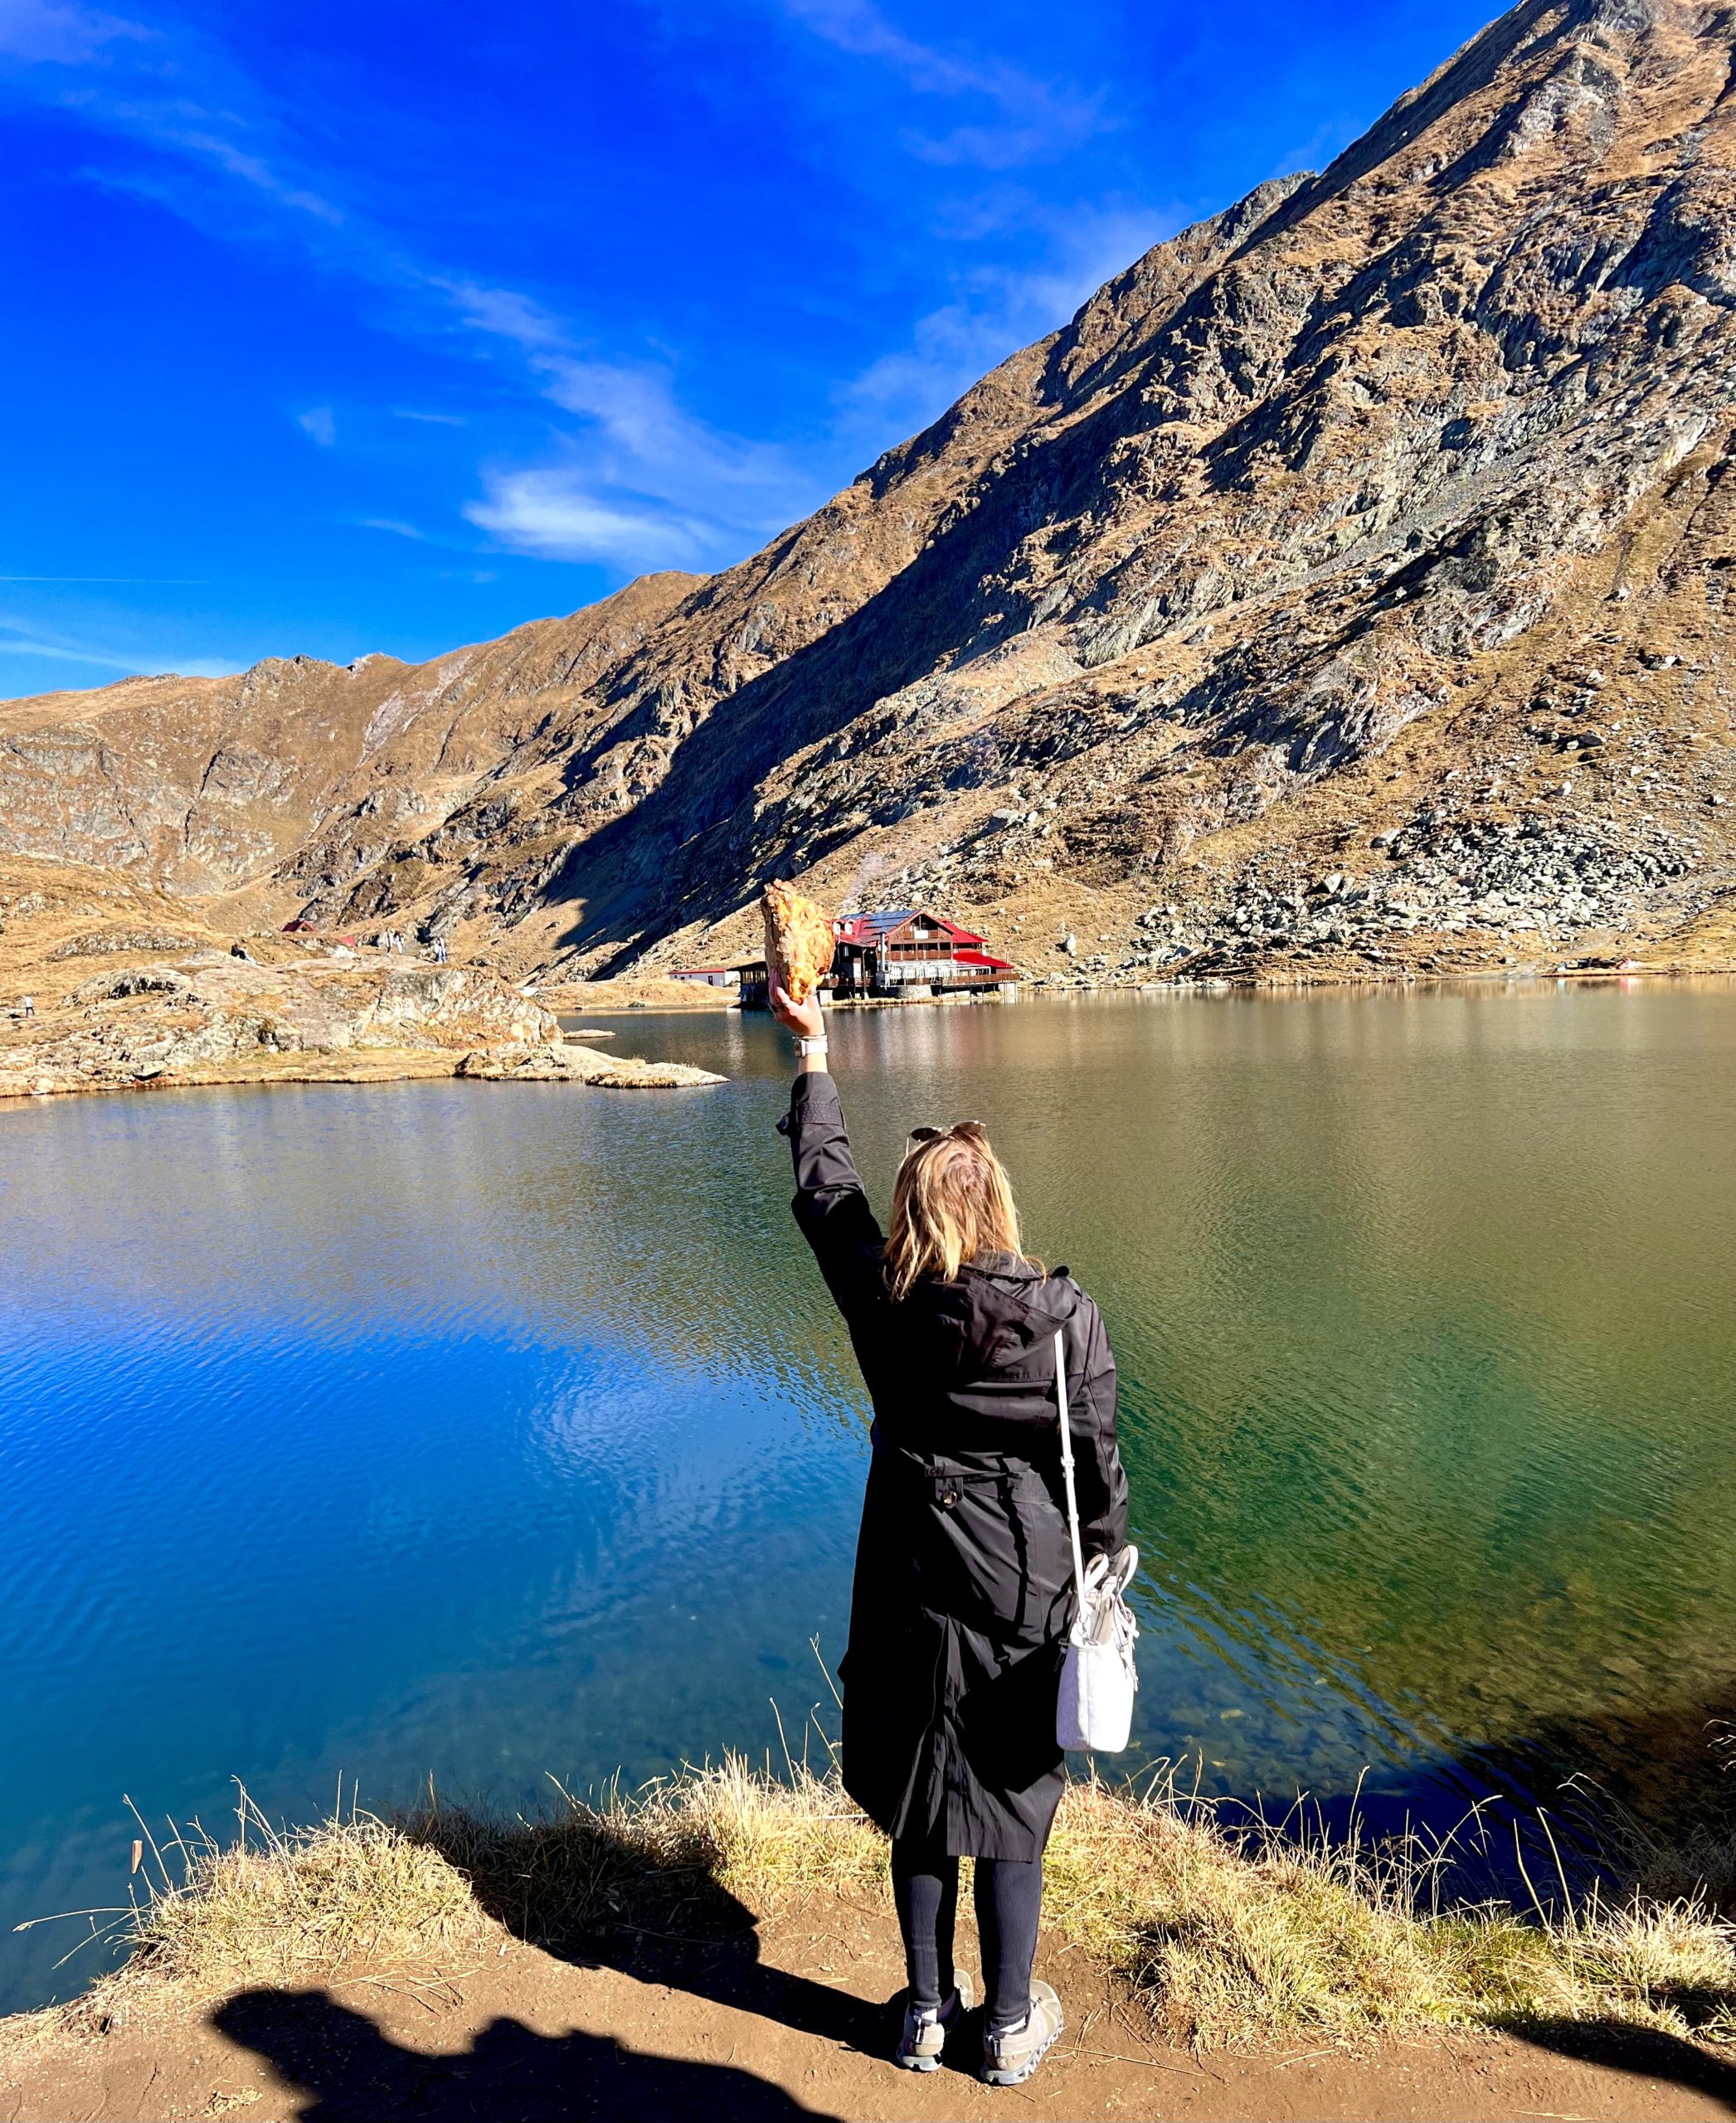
999	1307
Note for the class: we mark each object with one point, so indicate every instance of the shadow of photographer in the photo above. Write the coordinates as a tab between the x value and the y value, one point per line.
584	1889
349	2071
1646	2053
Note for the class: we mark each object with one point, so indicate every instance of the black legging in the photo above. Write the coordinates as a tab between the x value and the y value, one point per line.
1008	1904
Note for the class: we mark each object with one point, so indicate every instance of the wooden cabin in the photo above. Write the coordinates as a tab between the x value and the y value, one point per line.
902	953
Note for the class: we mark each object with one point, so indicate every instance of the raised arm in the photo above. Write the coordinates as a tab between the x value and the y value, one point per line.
831	1204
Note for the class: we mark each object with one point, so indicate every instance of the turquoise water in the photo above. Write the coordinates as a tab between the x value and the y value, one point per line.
494	1432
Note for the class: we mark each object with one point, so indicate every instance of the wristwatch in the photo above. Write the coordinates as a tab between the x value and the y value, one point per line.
805	1046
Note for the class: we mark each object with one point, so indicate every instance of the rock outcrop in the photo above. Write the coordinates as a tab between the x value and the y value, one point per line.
573	1064
210	1018
1343	591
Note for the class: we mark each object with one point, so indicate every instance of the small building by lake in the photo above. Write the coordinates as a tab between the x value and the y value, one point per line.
897	955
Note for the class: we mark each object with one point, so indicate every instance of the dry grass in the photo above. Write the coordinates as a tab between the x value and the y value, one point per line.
1236	1937
722	1840
270	1906
1230	1937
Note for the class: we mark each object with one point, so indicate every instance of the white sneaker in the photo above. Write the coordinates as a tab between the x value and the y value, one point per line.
926	2032
1010	2059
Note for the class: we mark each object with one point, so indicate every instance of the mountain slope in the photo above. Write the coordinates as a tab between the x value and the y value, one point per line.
1343	588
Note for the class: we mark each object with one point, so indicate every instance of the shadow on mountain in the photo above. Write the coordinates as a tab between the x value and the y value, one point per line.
347	2072
691	846
691	841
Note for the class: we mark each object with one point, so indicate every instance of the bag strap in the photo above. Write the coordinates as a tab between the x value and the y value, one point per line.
1066	1467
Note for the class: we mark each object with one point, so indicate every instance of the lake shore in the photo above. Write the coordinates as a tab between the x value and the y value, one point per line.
107	985
724	1946
552	1063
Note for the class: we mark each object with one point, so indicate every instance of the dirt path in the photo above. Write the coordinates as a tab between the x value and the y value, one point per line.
791	2021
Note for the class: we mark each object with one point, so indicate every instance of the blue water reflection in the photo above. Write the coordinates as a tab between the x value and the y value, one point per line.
493	1432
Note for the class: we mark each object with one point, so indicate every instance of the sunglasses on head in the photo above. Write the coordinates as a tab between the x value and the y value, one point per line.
965	1131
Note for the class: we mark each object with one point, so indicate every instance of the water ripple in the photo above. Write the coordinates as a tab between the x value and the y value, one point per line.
489	1430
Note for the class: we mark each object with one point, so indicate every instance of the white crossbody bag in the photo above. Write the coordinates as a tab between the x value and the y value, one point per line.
1098	1676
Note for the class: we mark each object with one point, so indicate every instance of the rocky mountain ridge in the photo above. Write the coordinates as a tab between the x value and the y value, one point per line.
1343	591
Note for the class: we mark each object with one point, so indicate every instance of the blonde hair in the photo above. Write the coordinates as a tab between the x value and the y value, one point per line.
951	1202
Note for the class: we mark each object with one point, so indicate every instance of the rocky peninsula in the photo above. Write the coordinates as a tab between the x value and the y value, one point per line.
115	989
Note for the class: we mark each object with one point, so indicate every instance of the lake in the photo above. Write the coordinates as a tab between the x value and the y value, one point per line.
497	1432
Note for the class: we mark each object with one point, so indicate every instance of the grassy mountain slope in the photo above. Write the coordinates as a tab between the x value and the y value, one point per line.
1343	589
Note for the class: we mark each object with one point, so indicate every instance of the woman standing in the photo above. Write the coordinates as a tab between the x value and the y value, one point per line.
963	1593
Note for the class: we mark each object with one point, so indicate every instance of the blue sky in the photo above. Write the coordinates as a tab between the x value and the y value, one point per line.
381	326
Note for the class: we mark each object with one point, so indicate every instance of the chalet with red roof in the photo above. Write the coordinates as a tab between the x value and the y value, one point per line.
898	955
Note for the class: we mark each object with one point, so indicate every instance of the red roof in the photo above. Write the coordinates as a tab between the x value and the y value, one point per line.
982	958
867	929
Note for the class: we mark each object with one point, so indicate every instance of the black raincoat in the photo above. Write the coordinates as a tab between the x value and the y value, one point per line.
963	1594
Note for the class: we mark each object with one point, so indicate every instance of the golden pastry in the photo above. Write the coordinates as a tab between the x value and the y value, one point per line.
799	940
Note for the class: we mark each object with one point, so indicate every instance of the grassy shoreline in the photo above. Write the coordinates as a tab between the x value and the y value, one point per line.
1228	1937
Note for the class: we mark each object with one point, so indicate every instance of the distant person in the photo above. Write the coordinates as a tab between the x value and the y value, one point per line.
28	1006
964	1590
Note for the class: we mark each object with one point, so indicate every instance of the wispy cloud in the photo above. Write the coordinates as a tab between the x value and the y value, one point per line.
201	144
503	314
650	444
21	645
1032	116
41	32
27	640
631	478
641	482
996	311
552	512
631	475
398	530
